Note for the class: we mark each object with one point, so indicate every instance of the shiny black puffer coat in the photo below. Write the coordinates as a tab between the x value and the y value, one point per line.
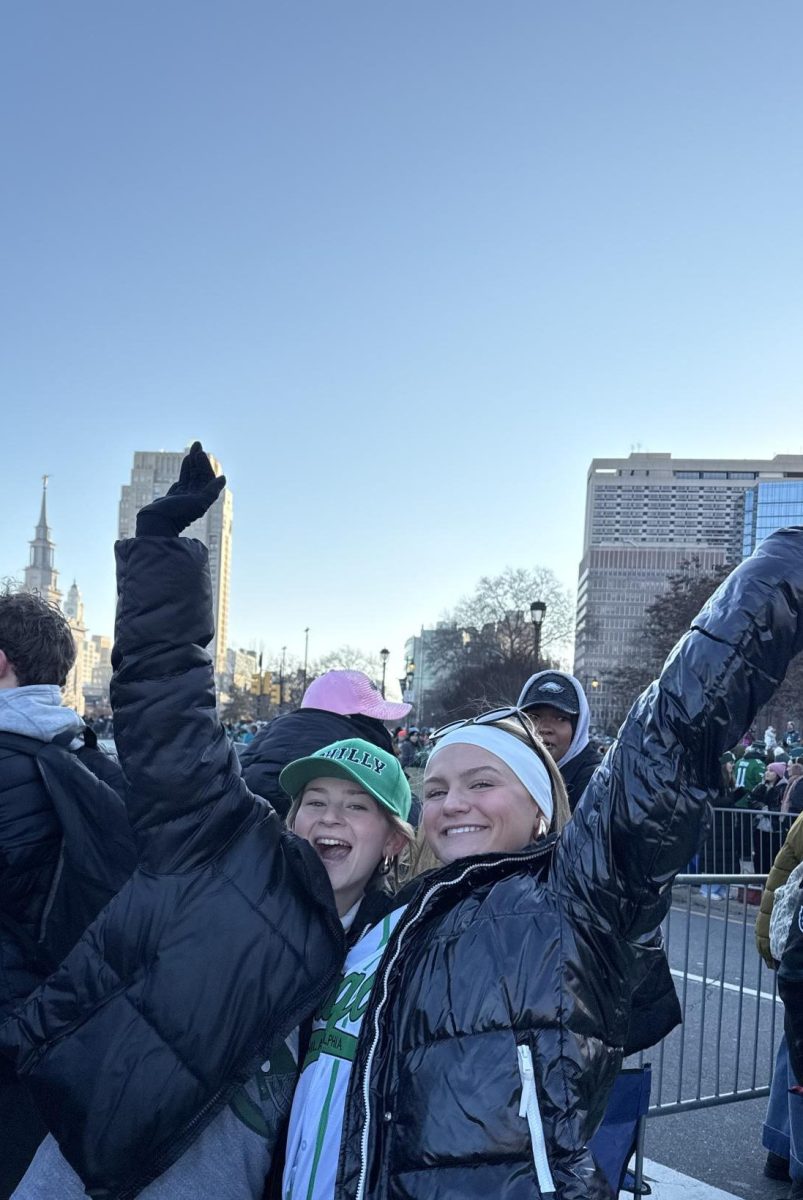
498	964
225	937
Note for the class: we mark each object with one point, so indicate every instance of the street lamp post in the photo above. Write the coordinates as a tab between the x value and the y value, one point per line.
537	612
281	679
410	689
306	655
384	655
594	708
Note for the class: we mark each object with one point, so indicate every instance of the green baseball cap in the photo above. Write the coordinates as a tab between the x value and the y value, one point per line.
378	772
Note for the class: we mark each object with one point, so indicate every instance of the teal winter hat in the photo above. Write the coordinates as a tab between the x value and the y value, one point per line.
376	771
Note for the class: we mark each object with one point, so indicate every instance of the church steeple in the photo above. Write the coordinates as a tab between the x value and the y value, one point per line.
41	575
42	531
74	605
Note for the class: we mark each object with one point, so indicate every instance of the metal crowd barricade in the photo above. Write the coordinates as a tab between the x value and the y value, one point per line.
732	1018
743	839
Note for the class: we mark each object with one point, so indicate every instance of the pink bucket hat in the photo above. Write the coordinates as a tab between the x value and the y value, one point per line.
350	692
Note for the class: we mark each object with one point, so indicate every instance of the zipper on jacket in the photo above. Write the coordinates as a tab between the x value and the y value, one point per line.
528	1107
360	1192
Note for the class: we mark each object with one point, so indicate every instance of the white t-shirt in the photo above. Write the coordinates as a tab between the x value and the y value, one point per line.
316	1119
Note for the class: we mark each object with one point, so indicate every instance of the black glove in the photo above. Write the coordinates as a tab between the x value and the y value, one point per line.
195	492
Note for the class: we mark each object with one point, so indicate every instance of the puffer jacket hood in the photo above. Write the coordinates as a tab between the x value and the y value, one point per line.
580	738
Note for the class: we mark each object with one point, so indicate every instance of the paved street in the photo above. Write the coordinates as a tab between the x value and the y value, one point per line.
719	1145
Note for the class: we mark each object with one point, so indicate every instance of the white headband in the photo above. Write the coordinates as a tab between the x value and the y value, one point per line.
523	761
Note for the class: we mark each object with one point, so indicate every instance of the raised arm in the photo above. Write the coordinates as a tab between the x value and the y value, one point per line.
186	797
643	814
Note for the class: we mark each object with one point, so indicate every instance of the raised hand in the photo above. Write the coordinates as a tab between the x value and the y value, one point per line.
195	491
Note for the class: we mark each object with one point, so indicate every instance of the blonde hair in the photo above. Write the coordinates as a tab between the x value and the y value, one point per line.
425	858
400	866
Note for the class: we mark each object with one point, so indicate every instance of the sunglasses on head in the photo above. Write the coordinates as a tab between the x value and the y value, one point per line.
490	718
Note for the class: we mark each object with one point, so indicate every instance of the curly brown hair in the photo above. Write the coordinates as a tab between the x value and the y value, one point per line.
36	638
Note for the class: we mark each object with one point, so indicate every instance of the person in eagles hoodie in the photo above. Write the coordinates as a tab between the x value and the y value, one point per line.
557	705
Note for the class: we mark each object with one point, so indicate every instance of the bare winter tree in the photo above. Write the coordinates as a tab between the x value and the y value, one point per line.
665	622
240	706
348	658
487	650
504	601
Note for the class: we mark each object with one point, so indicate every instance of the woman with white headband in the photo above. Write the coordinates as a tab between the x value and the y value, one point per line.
481	1049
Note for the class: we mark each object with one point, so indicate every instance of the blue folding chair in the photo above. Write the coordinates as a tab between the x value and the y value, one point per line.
621	1134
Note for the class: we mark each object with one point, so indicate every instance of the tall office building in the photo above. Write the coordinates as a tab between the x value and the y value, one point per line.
771	504
80	673
151	475
648	514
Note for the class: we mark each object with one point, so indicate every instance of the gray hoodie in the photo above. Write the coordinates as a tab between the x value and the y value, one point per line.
36	711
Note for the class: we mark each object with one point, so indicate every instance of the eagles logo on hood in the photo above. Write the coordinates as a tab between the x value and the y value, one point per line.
560	690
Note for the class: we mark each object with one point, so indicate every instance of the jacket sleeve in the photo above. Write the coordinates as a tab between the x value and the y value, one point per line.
185	796
789	855
644	813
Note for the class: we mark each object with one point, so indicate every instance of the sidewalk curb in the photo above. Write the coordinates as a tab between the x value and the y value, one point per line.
667	1184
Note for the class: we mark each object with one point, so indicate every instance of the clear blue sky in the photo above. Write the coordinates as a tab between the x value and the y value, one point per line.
404	267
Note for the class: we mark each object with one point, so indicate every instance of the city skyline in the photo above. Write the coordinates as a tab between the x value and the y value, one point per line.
600	530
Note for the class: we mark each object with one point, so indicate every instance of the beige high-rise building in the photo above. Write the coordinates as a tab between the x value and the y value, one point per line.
151	475
79	675
649	514
97	672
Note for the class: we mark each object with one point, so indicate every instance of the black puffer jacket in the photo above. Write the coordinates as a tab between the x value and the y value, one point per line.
296	735
578	771
26	870
500	968
225	937
31	834
65	849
